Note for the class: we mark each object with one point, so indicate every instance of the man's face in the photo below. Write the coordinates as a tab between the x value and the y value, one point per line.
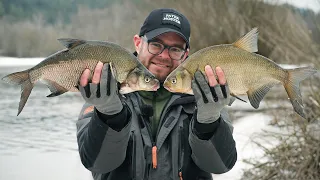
160	65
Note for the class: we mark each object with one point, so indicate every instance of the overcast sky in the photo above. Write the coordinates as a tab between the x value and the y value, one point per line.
311	4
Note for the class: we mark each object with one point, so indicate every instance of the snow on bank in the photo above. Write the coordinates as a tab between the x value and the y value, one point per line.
244	129
35	165
13	61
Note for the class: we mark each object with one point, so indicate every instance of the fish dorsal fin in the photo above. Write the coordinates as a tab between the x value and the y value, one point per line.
248	42
71	43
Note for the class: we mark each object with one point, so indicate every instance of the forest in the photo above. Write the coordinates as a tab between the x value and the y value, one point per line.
30	28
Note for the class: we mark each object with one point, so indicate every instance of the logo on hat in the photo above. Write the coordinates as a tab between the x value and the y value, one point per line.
170	18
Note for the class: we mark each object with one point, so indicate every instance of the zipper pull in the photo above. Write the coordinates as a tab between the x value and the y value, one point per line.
180	175
154	157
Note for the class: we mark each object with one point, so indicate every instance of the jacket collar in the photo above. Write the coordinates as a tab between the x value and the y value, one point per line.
160	94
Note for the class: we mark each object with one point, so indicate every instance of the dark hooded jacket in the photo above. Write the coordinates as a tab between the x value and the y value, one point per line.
119	147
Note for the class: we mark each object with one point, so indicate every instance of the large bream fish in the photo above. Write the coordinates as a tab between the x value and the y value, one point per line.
246	72
61	71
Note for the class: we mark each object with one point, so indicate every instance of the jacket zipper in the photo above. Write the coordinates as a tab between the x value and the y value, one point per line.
154	147
133	159
180	153
153	139
161	122
147	125
154	117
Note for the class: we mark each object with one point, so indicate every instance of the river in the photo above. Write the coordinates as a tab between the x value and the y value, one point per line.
40	143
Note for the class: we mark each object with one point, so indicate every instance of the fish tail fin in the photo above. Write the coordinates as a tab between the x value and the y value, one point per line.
17	78
21	78
292	86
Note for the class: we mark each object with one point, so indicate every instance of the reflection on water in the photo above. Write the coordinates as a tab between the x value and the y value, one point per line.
45	128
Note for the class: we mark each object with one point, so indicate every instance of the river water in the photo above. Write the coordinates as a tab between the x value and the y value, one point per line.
40	143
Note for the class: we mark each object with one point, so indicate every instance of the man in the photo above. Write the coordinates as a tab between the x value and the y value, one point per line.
156	135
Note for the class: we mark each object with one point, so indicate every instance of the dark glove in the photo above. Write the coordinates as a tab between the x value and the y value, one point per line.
104	96
210	100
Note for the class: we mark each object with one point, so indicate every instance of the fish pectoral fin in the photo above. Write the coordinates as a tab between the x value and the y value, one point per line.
125	89
190	92
54	87
54	94
71	43
234	97
257	93
248	42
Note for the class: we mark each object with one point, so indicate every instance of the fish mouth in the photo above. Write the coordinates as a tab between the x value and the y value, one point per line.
156	87
167	88
165	85
175	90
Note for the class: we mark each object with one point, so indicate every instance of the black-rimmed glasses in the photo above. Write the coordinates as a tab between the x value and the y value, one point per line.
156	48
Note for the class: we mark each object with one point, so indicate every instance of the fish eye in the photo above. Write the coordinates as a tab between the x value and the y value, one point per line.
147	79
173	80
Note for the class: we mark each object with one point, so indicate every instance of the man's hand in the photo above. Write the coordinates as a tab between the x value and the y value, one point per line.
211	96
102	92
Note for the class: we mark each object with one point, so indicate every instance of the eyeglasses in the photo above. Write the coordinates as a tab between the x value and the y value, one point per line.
156	48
